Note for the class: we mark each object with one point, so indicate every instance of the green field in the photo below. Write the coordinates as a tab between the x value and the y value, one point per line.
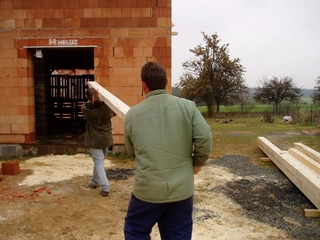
239	136
261	108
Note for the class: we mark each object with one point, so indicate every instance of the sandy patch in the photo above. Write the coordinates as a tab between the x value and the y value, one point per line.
75	213
55	168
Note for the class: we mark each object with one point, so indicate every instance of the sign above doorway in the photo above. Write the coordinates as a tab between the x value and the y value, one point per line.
62	42
59	42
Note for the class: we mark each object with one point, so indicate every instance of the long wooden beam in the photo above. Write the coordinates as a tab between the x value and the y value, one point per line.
303	176
308	161
308	151
119	107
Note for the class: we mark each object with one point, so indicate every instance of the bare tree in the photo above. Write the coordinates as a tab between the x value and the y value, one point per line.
316	93
276	90
246	102
212	77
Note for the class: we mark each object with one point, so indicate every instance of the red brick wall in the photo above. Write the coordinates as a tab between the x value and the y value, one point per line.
126	34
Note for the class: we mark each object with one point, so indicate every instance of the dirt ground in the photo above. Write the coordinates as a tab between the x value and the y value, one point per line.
49	199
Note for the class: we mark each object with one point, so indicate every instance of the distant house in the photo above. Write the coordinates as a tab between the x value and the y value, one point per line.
51	49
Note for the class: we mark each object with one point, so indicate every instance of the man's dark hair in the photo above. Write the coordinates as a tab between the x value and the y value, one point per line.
154	75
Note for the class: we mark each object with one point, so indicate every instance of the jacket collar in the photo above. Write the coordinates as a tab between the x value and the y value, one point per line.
156	92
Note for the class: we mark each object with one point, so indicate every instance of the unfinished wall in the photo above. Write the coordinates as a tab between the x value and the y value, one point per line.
125	34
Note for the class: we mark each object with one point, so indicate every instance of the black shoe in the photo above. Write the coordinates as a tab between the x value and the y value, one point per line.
104	194
92	186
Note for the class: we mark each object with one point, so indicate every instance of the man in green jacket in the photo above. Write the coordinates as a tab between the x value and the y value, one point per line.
171	141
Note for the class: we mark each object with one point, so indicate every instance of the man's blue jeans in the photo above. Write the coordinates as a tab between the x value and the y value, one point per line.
99	173
174	219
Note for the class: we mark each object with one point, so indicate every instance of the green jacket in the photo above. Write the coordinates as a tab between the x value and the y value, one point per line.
168	136
98	132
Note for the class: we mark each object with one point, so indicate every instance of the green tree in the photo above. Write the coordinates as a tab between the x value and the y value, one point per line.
276	90
211	76
316	93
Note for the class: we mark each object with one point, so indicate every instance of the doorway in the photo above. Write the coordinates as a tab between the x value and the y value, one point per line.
60	80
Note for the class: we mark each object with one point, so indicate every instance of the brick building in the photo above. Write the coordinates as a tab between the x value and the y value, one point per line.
51	48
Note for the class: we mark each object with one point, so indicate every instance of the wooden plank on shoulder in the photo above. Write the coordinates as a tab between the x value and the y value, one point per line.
119	107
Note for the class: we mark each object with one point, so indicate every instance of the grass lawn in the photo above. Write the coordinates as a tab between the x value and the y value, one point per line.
240	136
261	108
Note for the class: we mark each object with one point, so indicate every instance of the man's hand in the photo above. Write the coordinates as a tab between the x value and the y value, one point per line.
196	169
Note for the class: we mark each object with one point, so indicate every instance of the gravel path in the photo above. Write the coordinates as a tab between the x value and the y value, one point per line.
268	196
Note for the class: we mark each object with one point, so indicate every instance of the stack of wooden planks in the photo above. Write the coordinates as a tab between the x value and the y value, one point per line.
301	165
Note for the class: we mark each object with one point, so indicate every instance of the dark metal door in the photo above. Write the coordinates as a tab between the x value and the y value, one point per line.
67	94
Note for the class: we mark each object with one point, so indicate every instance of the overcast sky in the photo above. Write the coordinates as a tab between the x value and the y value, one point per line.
271	37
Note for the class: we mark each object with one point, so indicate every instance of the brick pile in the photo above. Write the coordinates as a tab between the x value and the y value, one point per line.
10	194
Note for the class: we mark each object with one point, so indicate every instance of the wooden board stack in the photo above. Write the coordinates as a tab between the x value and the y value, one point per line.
302	166
119	107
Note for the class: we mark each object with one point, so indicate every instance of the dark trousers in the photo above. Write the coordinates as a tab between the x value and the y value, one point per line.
174	219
